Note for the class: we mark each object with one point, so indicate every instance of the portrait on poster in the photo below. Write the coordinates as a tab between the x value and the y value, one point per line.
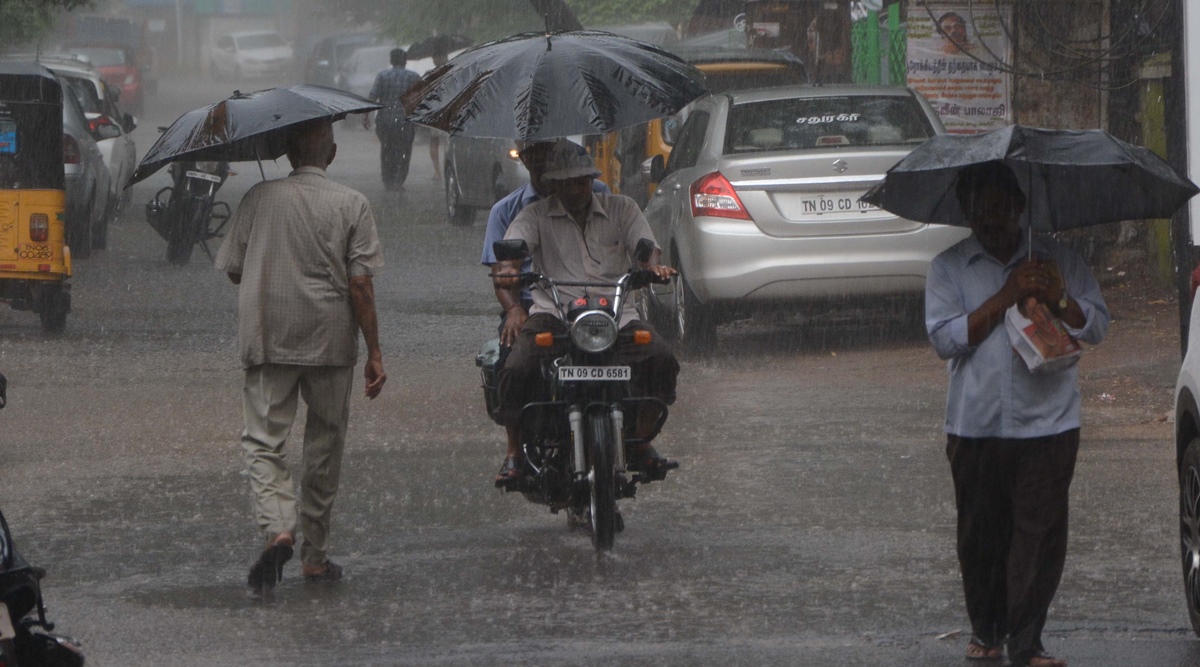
956	55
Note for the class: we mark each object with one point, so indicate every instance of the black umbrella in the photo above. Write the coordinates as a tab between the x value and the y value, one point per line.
443	44
246	126
1072	178
536	86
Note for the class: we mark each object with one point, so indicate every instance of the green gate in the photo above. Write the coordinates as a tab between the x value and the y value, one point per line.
879	47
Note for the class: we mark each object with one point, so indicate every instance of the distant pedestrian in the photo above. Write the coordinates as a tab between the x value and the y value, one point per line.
395	135
302	251
1011	434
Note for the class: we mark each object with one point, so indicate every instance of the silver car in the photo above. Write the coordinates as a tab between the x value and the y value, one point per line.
479	172
759	205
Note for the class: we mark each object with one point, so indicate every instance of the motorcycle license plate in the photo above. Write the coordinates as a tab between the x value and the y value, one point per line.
590	373
203	176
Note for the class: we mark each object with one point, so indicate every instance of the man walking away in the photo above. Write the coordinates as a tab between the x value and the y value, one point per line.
395	135
302	250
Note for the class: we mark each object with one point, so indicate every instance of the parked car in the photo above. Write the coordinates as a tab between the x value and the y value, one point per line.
478	172
622	155
87	178
358	71
328	57
110	127
759	206
117	67
1187	459
251	54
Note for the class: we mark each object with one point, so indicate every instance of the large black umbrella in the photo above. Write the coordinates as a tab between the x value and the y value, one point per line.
1072	178
537	86
246	126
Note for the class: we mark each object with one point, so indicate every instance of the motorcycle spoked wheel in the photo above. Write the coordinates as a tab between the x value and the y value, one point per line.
602	478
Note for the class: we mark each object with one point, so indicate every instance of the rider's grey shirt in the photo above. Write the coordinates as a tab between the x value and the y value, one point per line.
296	242
562	250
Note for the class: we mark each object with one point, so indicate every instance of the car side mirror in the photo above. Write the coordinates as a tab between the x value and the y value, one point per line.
129	122
510	249
107	131
654	169
644	250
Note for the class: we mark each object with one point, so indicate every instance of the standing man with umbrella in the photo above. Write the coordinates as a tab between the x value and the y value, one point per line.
395	135
302	250
1011	435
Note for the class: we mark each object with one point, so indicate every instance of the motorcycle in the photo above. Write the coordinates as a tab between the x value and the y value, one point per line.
186	213
25	634
575	442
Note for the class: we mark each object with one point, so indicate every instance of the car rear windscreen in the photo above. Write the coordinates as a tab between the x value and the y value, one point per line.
825	122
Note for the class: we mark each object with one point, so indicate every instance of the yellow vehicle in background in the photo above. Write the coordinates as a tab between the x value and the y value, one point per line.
35	263
623	157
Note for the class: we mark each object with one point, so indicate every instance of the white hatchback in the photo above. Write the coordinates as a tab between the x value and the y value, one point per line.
251	54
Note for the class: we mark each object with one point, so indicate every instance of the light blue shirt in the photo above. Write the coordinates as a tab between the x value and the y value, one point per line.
992	394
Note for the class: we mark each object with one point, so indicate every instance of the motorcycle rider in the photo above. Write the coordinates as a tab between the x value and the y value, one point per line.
576	235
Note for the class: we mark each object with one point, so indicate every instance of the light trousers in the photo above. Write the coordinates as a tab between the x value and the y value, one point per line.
269	400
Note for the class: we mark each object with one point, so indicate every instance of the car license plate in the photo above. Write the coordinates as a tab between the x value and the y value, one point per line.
586	373
203	176
823	204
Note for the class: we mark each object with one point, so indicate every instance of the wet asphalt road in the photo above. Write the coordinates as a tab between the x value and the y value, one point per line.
812	521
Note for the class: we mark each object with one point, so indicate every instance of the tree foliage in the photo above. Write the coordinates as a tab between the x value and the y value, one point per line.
410	20
24	22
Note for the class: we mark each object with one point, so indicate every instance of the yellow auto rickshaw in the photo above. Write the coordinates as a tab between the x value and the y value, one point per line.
35	263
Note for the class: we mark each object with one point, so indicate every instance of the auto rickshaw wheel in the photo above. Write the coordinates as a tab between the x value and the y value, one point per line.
55	304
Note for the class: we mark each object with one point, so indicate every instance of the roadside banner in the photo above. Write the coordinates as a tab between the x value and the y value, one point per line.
959	67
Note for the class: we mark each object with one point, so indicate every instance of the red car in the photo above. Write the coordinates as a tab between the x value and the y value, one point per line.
119	69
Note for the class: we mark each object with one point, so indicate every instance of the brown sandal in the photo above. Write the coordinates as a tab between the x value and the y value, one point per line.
977	650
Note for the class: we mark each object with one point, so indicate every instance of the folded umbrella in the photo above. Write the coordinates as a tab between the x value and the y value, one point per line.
1071	178
246	126
537	86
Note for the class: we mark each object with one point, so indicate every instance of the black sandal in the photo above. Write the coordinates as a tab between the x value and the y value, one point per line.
268	569
510	471
984	652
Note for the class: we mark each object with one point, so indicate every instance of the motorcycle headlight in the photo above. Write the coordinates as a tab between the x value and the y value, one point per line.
594	331
208	167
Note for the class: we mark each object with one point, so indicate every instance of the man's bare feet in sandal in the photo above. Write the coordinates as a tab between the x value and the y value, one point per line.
1043	659
977	650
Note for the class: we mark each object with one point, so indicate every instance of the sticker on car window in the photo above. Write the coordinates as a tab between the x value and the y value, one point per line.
8	137
829	118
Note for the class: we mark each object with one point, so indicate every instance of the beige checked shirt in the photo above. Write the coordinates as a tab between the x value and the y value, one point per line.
296	242
603	252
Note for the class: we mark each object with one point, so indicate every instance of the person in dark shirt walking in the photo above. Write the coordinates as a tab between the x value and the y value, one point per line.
395	135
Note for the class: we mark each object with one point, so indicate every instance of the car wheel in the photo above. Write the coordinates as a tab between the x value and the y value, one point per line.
100	234
1189	528
459	215
79	233
499	189
695	325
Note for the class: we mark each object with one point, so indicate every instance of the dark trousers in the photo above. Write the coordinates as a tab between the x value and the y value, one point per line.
395	149
652	367
1012	532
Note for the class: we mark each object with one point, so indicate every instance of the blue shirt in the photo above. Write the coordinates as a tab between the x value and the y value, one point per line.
992	394
390	85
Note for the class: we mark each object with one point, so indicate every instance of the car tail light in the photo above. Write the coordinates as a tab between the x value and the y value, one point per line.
70	150
95	123
39	227
713	195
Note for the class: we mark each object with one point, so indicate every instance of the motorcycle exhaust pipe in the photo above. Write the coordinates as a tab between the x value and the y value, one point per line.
576	419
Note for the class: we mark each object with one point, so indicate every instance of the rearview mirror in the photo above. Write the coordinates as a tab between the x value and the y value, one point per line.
654	169
510	249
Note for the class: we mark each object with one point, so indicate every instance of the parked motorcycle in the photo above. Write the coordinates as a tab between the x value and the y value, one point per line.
25	634
576	440
186	214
